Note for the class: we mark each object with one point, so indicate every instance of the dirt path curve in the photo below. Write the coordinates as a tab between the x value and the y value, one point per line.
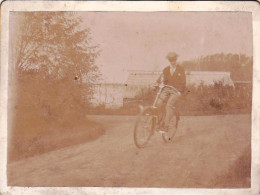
205	147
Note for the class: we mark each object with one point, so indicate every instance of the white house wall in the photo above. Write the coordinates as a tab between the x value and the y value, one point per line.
109	95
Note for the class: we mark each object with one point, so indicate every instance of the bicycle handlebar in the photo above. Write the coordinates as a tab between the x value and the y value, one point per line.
161	86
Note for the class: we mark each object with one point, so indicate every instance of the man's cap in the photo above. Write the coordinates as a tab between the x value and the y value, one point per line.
172	55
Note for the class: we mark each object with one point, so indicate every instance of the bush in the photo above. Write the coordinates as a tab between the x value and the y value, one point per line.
48	114
198	100
215	99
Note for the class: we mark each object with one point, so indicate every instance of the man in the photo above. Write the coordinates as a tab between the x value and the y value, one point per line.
173	75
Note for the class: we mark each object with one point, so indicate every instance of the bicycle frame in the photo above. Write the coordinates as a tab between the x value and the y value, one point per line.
156	120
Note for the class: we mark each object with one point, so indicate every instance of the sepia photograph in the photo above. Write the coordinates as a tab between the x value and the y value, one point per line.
130	99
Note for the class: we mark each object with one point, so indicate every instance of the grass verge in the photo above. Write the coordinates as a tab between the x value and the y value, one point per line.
52	136
239	175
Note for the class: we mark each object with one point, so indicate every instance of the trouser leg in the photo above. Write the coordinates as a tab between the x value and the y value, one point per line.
160	104
170	108
162	99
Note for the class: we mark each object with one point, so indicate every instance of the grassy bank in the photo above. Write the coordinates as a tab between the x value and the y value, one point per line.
46	115
50	136
238	176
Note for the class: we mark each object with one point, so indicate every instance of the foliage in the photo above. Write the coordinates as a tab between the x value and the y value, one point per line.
201	100
54	61
240	65
55	42
216	99
51	80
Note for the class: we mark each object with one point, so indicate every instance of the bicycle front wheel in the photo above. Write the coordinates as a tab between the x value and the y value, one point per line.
144	127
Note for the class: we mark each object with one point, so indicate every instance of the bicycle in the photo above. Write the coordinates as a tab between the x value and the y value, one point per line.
151	118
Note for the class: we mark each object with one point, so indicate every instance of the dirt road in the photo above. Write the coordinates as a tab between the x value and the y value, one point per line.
206	147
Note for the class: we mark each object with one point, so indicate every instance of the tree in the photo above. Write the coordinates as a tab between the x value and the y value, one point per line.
56	61
56	43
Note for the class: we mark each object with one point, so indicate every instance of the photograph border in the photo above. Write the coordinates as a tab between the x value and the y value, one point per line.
137	6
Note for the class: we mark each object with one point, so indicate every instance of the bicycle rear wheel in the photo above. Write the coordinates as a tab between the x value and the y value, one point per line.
169	136
144	127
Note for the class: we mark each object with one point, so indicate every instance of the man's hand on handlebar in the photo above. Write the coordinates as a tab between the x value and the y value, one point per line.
154	86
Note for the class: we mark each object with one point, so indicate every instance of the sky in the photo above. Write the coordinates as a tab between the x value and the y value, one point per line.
140	41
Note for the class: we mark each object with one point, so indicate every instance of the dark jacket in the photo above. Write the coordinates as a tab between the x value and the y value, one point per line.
177	80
